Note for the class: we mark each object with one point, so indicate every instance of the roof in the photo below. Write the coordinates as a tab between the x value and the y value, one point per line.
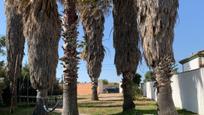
199	54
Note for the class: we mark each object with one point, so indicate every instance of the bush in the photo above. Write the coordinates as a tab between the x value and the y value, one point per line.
105	82
136	91
6	95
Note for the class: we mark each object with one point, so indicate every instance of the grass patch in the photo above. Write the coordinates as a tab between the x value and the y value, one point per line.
107	105
114	107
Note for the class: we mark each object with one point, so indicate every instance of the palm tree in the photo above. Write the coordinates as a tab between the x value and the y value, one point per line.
70	59
15	46
42	30
156	24
92	19
127	53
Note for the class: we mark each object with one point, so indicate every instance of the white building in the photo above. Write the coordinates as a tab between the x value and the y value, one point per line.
193	62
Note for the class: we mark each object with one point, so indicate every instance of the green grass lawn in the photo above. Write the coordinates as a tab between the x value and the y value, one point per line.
113	107
107	105
20	111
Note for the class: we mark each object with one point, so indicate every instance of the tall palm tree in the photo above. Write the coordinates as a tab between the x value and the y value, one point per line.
156	20
70	59
127	53
15	46
92	19
42	30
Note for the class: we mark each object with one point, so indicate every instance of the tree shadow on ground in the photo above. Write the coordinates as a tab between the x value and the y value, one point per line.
94	103
143	99
99	106
137	112
120	100
102	97
82	98
145	104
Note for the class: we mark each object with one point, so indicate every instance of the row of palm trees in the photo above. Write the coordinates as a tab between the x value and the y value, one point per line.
149	21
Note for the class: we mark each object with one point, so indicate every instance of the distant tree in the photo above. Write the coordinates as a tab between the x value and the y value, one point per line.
2	45
149	76
115	83
3	80
55	89
137	79
24	85
105	82
175	69
25	71
135	86
4	85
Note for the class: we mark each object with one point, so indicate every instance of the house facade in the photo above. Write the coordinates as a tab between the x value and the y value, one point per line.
193	62
86	88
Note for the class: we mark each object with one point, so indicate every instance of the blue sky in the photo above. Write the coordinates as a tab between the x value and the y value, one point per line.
189	38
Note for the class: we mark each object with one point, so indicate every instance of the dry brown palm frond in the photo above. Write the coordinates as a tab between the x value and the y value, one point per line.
125	36
14	37
14	44
103	5
156	19
42	29
83	47
92	19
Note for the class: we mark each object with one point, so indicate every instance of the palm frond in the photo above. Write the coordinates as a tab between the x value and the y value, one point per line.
125	36
156	22
42	30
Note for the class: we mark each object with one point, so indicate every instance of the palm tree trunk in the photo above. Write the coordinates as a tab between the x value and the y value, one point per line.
163	73
165	107
70	59
70	99
94	95
15	47
128	103
41	100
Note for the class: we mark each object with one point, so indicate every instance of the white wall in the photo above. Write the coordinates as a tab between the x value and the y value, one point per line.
150	91
187	90
143	87
191	65
120	88
202	60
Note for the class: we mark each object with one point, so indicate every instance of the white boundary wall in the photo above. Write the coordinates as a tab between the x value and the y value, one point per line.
187	90
149	90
